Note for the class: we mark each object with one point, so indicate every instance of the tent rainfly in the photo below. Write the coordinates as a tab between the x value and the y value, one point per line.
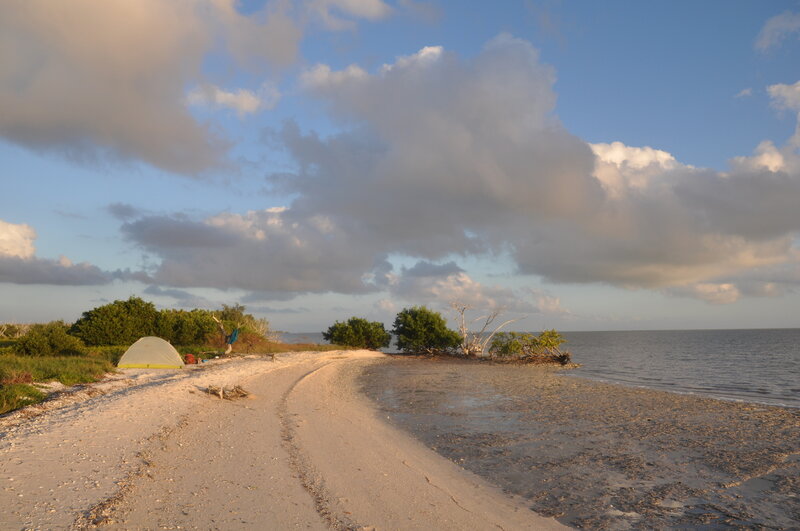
151	353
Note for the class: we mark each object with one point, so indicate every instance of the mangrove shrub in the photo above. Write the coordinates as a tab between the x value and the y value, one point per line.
420	329
49	339
359	333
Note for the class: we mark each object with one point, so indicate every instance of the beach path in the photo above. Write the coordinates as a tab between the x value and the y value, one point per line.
305	451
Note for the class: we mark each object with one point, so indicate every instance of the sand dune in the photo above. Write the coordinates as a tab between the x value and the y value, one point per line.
305	451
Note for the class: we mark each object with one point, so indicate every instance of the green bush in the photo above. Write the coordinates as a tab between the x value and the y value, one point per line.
419	329
233	317
526	346
49	339
117	323
359	333
180	327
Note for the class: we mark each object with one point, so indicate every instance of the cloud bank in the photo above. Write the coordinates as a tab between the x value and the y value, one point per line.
95	80
437	157
19	265
440	157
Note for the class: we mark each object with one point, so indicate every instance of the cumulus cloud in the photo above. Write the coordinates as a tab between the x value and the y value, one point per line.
16	240
242	101
440	284
475	151
439	156
106	79
20	265
777	29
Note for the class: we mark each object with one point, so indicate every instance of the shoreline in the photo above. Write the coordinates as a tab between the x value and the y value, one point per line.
315	443
306	450
600	455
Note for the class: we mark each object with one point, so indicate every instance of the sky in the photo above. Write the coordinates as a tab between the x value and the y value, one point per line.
579	165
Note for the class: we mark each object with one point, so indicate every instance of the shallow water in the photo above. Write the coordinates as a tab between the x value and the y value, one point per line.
749	365
601	456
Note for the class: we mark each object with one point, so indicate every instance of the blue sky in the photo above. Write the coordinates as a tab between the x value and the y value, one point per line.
590	165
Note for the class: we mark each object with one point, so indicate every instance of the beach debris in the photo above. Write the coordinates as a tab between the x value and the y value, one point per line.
228	393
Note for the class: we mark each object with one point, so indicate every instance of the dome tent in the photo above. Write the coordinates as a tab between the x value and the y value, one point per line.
151	353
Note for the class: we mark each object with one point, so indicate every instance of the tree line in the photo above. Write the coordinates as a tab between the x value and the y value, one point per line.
122	322
420	330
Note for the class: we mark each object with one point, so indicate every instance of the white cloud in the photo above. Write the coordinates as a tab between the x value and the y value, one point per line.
321	76
500	171
19	264
16	240
766	157
338	14
455	157
785	96
242	101
423	58
622	168
744	93
776	29
439	285
106	79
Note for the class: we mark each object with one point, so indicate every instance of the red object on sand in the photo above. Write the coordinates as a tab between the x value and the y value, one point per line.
190	359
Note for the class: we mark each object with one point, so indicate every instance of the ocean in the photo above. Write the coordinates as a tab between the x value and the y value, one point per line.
761	366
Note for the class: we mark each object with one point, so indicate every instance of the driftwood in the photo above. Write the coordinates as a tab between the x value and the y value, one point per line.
227	393
474	343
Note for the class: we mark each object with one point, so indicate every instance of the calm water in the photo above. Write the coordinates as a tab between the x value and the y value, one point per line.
749	365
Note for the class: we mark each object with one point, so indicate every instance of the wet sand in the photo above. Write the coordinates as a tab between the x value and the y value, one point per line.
601	456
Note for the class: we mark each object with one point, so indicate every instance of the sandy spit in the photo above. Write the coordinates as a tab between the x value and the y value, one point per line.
150	449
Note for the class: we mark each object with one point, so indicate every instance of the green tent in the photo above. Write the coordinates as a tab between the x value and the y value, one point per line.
151	353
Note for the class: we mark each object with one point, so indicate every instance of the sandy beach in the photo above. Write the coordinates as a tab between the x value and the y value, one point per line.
146	449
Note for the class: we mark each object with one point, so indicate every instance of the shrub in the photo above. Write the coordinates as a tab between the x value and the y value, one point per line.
526	346
117	323
358	332
180	327
233	317
419	329
49	339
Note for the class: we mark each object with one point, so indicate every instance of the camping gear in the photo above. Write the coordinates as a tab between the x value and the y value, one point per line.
190	359
151	353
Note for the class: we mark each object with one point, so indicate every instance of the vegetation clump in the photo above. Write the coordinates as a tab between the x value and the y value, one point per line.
421	330
181	327
116	323
359	333
529	348
49	339
18	373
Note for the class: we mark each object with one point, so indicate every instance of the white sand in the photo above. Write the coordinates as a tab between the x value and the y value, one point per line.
306	451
